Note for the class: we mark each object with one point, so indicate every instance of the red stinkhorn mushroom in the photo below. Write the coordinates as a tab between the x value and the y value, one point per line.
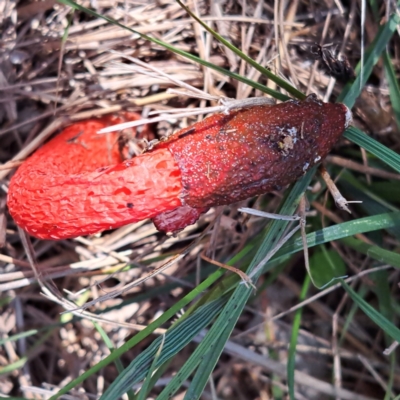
76	184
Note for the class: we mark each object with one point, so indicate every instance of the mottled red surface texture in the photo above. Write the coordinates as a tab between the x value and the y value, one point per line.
227	158
76	184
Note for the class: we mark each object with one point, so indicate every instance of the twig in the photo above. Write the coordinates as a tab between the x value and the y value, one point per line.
340	201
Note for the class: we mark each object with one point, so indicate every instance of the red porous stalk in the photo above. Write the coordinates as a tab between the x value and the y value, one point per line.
68	188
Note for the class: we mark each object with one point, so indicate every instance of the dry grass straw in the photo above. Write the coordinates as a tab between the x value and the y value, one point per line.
47	83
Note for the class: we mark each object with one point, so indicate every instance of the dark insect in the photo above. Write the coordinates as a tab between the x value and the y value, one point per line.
338	68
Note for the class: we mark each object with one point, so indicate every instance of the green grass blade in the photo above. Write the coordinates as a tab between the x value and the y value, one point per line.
375	252
353	90
147	384
170	313
147	331
154	378
110	346
394	87
388	156
19	336
374	315
353	188
279	81
202	375
8	368
350	317
176	338
375	9
345	229
383	293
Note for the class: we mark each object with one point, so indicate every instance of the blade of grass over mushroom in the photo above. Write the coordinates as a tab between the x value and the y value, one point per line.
213	343
255	85
351	92
385	154
373	314
279	81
